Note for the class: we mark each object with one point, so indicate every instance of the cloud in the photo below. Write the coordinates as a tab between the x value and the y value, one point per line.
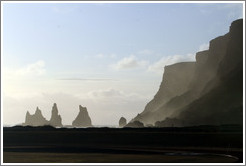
158	66
118	96
203	47
130	62
37	68
106	93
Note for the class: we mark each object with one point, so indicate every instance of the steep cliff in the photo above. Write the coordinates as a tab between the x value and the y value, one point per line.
197	96
223	104
176	80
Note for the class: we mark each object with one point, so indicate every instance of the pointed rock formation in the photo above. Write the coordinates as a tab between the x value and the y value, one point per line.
122	122
35	120
55	119
28	118
83	119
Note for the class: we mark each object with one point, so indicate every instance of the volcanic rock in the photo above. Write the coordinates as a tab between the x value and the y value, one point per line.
122	122
135	124
36	119
206	92
83	119
55	120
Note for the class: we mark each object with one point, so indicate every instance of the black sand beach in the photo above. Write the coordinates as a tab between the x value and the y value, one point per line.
200	144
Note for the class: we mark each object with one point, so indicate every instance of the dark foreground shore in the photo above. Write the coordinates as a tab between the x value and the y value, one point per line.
201	144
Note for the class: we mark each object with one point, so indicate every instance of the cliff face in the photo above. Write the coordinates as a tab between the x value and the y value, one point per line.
83	119
207	91
223	104
176	80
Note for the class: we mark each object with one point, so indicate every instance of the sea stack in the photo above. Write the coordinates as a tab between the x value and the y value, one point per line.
122	122
83	119
36	119
55	119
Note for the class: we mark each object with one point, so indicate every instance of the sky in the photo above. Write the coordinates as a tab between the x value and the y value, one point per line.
108	57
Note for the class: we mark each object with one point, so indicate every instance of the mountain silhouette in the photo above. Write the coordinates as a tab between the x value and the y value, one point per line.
208	91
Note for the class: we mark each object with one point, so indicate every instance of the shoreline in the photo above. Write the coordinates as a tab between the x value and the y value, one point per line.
191	144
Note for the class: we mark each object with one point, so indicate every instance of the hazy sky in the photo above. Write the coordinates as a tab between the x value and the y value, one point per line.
108	57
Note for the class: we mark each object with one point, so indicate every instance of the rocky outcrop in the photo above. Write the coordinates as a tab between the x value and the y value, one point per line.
122	122
55	119
208	91
135	124
169	122
36	119
83	119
